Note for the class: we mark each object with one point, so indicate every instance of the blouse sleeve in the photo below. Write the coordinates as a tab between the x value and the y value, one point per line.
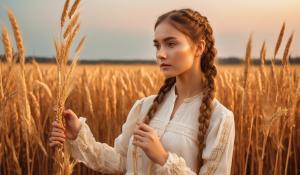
217	154
100	156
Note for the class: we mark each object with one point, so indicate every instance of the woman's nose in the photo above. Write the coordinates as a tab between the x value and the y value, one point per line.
161	54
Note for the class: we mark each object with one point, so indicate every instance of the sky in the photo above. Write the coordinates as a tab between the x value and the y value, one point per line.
123	29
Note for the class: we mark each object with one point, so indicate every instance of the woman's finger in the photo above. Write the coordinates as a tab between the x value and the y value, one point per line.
53	143
140	138
68	113
58	134
58	130
56	125
60	139
145	127
140	132
139	143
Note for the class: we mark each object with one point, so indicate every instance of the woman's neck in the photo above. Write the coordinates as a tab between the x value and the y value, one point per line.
189	84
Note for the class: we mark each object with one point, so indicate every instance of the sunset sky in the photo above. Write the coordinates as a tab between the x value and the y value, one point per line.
124	29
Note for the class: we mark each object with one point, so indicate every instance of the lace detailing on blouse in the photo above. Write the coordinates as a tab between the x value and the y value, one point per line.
174	165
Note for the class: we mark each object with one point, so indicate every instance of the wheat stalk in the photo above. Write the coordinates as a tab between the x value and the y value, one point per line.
21	54
80	45
68	43
18	38
286	50
7	45
247	60
38	70
262	61
263	53
279	40
73	9
45	87
64	13
36	107
71	24
64	86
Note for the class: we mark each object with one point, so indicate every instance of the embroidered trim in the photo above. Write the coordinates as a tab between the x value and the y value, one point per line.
134	152
135	160
216	154
174	165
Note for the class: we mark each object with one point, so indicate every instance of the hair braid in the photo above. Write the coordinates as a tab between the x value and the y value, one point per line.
166	87
169	82
210	72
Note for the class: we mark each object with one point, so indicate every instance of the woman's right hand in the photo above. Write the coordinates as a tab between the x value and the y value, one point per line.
70	131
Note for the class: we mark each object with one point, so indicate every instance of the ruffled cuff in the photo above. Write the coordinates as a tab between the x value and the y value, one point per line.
81	140
173	165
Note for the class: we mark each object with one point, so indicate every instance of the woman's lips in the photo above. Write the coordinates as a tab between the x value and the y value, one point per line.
165	65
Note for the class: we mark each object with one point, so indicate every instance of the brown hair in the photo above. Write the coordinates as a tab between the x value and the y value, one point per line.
196	27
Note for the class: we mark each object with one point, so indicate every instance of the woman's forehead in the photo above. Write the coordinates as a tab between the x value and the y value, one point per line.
166	31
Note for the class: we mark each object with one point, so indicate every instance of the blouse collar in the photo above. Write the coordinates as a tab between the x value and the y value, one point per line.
186	100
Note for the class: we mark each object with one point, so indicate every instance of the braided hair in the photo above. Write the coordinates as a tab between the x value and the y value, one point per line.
196	27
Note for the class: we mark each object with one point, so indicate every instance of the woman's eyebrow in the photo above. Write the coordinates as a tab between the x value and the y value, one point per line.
165	39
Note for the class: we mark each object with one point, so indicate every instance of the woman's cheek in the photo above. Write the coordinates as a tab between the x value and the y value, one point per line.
182	59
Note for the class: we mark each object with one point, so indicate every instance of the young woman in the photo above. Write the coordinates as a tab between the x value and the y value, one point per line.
183	129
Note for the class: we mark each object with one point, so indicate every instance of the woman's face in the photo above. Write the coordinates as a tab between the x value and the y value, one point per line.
174	49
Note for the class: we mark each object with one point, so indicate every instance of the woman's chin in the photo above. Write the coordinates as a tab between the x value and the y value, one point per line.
168	74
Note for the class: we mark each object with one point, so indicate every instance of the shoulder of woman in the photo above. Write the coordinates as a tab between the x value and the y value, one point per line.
221	113
145	104
147	99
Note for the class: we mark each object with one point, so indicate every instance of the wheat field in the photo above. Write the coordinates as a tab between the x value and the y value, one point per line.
265	100
267	130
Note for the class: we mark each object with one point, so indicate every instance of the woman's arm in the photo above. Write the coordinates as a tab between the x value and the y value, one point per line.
218	157
100	156
217	153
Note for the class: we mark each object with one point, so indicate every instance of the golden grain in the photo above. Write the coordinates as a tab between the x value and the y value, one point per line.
73	9
64	13
7	45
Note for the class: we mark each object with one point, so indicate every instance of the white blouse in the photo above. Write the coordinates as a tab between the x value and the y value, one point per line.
178	136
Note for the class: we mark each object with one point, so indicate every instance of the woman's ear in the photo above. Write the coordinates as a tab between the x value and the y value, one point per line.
200	47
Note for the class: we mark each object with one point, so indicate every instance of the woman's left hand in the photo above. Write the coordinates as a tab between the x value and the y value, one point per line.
146	138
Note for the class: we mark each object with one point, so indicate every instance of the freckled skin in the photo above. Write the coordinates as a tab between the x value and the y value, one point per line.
178	52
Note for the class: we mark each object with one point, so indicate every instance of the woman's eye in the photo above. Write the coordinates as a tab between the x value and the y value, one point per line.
171	44
156	46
